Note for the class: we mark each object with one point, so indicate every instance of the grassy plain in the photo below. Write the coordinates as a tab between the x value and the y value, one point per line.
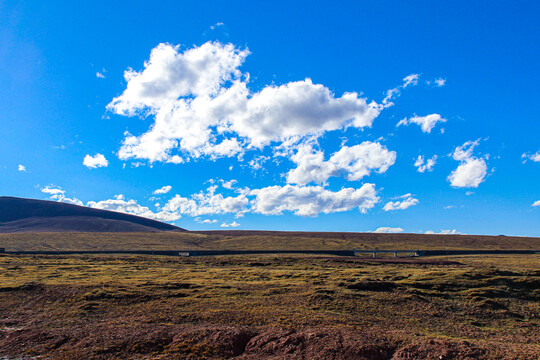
269	307
261	240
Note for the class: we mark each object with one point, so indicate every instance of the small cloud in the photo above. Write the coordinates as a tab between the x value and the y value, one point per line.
22	168
469	193
95	161
386	229
534	157
101	74
52	190
536	203
163	190
228	184
175	159
427	123
233	224
257	162
471	171
410	80
391	94
57	194
444	232
425	165
450	207
407	202
206	221
440	82
216	25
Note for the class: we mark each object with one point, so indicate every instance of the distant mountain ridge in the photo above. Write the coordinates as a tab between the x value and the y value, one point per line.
31	215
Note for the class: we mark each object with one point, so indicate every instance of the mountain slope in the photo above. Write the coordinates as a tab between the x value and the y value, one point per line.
30	215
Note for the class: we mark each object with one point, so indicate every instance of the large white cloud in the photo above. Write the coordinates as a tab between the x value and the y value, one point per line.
206	203
201	106
355	161
312	200
272	200
472	170
406	201
427	123
95	161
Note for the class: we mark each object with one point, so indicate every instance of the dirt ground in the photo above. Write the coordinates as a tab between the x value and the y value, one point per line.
269	307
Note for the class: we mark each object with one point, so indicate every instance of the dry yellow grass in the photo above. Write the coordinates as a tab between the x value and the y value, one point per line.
246	240
489	306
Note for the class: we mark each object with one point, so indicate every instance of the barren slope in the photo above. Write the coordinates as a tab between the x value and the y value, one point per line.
30	215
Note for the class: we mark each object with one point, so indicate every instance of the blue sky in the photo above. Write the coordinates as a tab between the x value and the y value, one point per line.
279	116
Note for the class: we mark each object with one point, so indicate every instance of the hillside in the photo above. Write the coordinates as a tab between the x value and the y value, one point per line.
30	215
257	240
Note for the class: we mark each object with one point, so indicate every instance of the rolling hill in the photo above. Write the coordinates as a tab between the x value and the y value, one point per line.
30	215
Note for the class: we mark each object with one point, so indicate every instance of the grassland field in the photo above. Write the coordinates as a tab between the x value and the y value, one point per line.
259	240
266	306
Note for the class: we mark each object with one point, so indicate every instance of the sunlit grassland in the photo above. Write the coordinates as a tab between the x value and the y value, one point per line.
246	240
479	293
490	301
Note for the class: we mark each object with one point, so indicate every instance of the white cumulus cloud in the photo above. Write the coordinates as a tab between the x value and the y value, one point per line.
21	168
201	106
355	162
233	224
406	201
423	165
536	203
95	161
386	229
471	171
271	200
312	200
206	203
130	206
58	194
427	123
163	190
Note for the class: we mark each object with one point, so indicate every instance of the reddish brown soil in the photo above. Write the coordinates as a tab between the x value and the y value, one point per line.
211	342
